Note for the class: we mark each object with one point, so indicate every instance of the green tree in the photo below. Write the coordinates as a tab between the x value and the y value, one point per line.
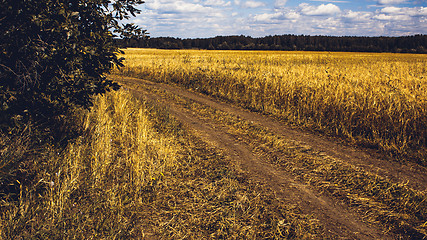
55	54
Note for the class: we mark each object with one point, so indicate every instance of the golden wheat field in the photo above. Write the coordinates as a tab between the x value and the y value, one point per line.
136	170
134	173
374	100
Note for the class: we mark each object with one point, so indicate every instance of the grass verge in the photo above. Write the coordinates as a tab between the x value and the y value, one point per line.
394	206
134	172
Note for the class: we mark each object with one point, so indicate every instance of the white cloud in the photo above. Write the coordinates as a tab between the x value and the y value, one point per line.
389	2
329	24
280	3
416	11
404	15
322	10
253	4
392	17
267	17
207	18
351	16
177	7
221	3
331	20
333	1
292	15
186	18
277	16
391	10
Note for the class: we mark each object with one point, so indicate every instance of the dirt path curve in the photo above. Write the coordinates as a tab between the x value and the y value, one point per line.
413	175
340	221
335	217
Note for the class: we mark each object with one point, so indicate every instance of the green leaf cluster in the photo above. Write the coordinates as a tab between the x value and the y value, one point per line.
55	54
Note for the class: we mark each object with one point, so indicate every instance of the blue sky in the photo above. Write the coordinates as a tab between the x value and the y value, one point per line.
257	18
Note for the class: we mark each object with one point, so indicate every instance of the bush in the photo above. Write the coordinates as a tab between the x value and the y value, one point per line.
55	54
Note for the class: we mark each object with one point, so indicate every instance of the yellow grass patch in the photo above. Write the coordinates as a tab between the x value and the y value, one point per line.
376	100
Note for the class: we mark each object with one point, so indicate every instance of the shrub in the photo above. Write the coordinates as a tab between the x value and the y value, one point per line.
55	54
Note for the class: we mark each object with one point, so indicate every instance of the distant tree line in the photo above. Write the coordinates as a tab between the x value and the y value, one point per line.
406	44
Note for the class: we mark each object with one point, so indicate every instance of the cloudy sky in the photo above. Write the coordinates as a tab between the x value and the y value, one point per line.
257	18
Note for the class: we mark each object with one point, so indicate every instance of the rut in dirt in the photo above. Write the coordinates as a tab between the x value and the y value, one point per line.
409	173
335	216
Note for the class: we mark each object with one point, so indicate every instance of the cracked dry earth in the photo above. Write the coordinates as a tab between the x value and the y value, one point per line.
335	216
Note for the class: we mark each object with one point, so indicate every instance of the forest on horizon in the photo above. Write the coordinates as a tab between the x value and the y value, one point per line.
404	44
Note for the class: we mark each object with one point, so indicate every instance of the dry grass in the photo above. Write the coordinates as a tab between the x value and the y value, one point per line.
134	173
375	100
92	185
394	206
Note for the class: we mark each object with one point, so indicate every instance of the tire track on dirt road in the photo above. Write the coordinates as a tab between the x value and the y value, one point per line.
333	215
408	173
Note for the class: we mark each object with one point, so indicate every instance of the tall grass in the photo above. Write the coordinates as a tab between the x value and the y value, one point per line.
91	187
134	173
376	100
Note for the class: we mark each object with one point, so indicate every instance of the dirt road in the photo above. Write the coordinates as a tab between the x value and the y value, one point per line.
338	218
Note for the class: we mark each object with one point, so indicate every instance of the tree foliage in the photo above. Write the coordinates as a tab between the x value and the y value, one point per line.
405	44
55	54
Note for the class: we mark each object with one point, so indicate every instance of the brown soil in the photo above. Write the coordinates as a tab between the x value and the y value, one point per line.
335	216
